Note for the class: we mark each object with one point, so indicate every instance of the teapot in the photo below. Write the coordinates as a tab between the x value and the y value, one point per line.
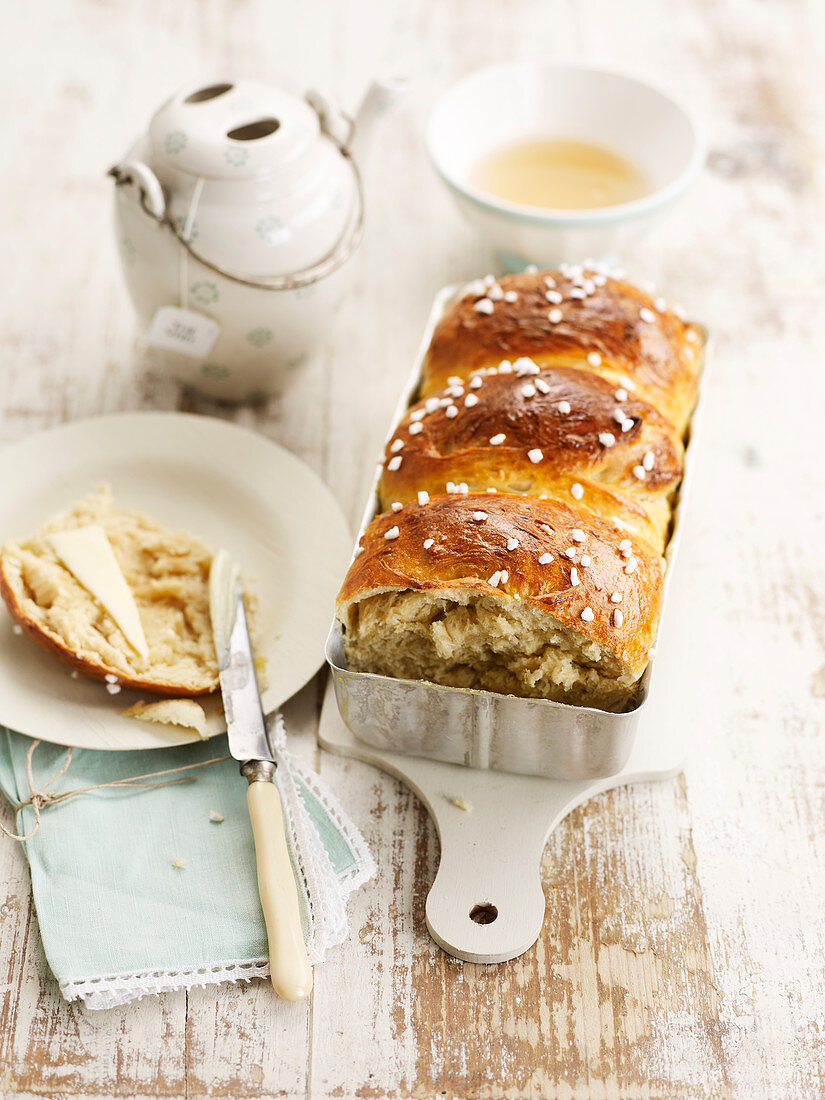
237	215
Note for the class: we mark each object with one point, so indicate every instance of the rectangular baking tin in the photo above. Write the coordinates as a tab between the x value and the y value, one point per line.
483	729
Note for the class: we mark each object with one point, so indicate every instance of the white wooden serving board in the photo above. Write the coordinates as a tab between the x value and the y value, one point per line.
491	854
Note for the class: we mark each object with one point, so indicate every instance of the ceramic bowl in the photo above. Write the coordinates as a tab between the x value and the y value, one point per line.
518	101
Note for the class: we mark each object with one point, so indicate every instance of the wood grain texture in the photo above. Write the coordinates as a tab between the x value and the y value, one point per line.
681	954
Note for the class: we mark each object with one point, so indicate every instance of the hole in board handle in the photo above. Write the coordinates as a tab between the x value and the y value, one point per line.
212	92
485	913
253	131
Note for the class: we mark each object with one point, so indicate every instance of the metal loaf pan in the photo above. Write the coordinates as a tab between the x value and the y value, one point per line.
483	729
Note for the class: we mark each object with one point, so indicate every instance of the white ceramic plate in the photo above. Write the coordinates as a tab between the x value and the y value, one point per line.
226	485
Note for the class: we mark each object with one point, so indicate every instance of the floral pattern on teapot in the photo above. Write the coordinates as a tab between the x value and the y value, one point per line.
175	142
194	232
259	337
205	293
236	157
215	370
272	229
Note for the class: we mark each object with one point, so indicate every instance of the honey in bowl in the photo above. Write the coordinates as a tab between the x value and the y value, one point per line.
559	174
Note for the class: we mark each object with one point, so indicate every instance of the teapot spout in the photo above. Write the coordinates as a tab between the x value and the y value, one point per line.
379	98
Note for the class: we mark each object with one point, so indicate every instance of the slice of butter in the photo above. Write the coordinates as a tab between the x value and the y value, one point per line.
224	578
87	554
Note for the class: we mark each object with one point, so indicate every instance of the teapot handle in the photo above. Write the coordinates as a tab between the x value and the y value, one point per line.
152	195
381	95
153	203
334	123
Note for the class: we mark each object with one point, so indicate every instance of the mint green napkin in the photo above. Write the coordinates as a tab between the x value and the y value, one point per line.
138	891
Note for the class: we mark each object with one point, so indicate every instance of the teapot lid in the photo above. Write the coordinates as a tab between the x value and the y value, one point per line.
232	130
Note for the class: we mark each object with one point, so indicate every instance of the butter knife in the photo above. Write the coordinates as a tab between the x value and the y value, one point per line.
289	967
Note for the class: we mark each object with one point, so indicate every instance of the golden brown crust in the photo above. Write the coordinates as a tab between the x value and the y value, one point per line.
660	355
467	550
574	389
54	645
571	422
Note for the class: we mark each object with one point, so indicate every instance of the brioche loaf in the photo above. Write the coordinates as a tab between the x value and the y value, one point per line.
168	574
526	498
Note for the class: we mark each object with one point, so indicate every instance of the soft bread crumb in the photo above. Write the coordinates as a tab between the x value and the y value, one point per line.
460	638
462	804
167	572
171	712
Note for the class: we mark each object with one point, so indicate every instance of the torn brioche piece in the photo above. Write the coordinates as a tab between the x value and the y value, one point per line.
171	712
506	593
169	650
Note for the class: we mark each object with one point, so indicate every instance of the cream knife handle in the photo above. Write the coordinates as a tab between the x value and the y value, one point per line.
289	967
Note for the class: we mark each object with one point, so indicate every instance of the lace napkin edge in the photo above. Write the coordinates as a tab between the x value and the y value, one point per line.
111	990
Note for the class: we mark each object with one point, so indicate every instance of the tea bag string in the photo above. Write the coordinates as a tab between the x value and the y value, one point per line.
186	230
40	797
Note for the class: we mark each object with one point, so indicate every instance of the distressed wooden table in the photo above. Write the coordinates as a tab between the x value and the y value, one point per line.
682	949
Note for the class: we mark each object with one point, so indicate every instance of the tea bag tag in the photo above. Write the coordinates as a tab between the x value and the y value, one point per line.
184	331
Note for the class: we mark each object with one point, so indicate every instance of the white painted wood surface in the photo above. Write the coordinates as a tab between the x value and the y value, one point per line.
682	949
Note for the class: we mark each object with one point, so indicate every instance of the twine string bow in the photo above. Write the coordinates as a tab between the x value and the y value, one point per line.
40	797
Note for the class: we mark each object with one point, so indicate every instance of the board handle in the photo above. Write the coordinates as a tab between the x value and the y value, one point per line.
486	904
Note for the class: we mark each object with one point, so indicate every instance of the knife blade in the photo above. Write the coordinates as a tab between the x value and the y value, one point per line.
236	664
246	726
